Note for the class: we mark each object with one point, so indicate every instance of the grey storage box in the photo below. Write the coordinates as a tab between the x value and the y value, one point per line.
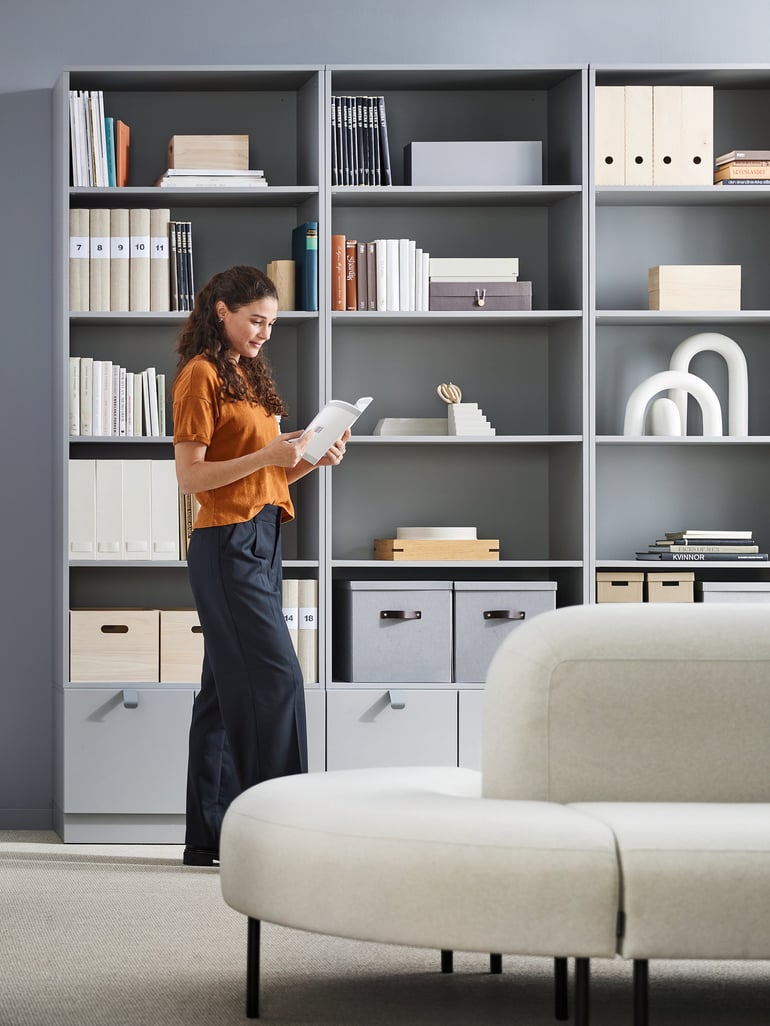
732	591
485	613
503	162
392	632
480	295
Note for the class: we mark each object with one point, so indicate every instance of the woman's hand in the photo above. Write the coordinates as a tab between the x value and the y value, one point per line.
334	454
286	450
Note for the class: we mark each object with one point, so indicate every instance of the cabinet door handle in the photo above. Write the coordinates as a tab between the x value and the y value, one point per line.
130	698
504	614
397	699
400	614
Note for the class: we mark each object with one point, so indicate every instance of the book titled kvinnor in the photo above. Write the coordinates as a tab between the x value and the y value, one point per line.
704	557
330	423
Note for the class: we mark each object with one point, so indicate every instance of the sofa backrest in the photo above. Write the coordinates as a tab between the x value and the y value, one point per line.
647	702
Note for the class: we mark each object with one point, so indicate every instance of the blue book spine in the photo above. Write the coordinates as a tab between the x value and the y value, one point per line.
109	138
305	255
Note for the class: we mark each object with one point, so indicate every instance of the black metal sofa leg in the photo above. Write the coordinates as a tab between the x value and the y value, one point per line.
561	998
641	991
495	964
582	984
447	961
252	970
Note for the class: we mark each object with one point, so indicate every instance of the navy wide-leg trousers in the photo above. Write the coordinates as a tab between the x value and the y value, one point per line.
248	721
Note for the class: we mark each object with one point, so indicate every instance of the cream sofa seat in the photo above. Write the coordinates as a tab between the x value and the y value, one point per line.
415	856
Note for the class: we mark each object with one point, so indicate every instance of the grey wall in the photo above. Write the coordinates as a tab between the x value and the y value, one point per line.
40	37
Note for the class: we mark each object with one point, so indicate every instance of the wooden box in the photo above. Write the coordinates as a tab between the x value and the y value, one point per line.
114	645
694	287
209	152
670	587
619	586
436	549
480	295
181	646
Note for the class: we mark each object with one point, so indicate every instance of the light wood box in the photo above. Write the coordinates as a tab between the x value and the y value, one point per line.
619	586
694	287
436	549
670	587
693	298
181	646
115	645
209	152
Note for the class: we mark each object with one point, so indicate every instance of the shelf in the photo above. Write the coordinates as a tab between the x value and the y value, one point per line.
157	196
713	318
465	439
450	196
690	564
167	318
393	566
449	317
698	440
682	195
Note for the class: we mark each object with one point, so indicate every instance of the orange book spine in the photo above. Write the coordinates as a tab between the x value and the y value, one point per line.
351	275
338	272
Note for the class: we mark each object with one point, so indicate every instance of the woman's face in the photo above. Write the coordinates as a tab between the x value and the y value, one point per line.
248	328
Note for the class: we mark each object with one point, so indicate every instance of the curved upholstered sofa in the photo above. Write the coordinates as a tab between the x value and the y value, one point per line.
623	809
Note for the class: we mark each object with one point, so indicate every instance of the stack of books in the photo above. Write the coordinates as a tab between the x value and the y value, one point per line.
703	546
106	399
384	275
360	149
197	178
742	167
99	145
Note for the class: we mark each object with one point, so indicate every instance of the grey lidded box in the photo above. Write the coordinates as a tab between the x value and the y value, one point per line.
480	295
732	591
485	614
392	632
502	162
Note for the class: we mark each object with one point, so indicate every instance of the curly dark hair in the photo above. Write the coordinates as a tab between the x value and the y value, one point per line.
202	334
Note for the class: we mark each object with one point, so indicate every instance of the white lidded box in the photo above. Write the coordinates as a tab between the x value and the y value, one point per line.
501	162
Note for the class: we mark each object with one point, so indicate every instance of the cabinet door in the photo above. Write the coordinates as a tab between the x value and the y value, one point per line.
391	728
125	758
315	712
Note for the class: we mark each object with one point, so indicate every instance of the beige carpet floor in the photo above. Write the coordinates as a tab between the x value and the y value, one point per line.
107	935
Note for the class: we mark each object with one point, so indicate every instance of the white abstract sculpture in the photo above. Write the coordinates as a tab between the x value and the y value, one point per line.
737	377
664	418
636	407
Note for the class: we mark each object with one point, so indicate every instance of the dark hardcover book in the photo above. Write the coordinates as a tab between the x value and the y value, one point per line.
333	168
353	159
338	135
371	276
181	265
387	177
726	158
376	148
345	111
351	274
703	557
304	251
366	142
361	174
190	264
173	258
743	181
703	541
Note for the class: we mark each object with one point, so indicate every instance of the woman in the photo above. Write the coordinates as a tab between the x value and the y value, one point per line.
248	721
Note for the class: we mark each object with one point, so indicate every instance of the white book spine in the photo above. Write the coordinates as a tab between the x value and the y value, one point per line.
403	274
74	395
138	404
392	300
418	278
426	281
86	395
129	403
115	398
122	402
381	267
96	395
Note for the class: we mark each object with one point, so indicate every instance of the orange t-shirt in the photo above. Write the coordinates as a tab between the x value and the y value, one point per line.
227	429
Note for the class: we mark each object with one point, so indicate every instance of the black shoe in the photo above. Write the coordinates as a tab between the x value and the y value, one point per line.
200	857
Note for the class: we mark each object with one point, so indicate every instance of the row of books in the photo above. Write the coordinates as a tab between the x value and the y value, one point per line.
704	546
137	260
124	510
107	400
360	149
742	167
300	610
386	274
99	144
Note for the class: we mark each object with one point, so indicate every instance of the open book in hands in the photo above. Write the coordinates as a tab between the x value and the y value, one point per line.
329	424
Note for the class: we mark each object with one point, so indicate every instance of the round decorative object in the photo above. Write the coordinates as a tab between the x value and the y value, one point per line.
450	393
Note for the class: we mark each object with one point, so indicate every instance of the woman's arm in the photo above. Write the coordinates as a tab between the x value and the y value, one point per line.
197	474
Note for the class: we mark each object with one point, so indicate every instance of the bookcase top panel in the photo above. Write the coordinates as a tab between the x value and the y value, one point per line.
385	77
191	78
724	76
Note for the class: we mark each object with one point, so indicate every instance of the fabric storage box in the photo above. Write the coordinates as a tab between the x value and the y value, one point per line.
181	646
670	587
619	586
485	613
494	162
393	632
114	645
732	591
480	295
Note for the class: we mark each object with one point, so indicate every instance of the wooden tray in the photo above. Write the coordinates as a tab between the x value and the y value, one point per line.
436	549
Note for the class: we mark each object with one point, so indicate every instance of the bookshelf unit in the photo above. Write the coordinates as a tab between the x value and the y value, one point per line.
643	487
120	770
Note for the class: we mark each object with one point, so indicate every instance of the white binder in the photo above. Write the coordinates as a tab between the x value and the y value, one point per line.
136	509
82	509
307	637
609	135
667	135
638	135
109	509
697	135
164	505
290	603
